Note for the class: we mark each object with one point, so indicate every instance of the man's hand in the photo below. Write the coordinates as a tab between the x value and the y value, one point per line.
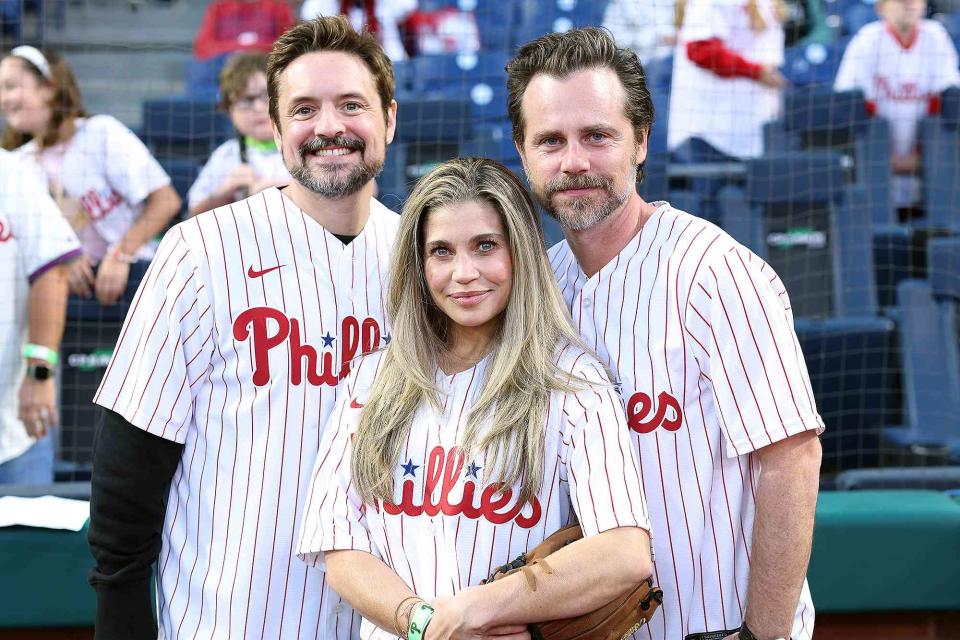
454	619
770	76
80	278
38	406
111	279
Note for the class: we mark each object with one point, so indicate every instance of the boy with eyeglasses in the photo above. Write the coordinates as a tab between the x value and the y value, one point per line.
250	162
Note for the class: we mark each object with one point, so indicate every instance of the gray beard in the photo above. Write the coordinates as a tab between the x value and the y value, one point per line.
581	213
333	184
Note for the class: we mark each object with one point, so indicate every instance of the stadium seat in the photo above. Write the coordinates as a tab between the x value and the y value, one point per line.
798	214
927	319
203	77
857	15
493	19
493	140
440	72
940	164
815	117
183	172
813	64
854	375
392	183
183	126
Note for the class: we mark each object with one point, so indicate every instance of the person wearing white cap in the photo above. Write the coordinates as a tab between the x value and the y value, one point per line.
109	187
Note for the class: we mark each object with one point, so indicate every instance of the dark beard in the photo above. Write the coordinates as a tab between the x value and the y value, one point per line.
332	183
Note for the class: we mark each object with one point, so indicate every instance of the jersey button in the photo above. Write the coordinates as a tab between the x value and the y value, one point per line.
338	609
587	303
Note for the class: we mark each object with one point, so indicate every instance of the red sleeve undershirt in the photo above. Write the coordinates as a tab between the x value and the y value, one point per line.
714	56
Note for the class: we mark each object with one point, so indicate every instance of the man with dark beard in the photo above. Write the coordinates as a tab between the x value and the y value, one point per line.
699	335
227	368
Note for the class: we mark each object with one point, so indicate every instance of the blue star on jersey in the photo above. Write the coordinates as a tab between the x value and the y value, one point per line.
472	470
410	469
328	340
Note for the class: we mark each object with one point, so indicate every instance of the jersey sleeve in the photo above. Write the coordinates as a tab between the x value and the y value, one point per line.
944	68
130	167
43	235
706	19
856	66
335	516
740	320
220	164
601	464
165	345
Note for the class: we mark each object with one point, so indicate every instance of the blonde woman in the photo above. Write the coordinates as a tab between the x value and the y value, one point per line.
483	427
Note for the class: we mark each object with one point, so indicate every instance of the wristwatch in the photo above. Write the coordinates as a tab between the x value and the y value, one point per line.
39	372
746	634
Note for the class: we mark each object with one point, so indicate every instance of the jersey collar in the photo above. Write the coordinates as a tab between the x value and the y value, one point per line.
905	43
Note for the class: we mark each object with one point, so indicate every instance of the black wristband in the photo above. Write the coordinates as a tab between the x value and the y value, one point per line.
745	633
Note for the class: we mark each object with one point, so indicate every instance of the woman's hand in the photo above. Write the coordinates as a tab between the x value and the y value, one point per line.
80	278
111	278
456	619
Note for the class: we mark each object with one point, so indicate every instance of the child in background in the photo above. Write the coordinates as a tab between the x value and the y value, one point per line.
902	64
251	162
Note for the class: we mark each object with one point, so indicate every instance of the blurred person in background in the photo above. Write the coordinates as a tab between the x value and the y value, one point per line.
36	243
726	84
250	162
111	190
902	63
649	28
380	17
241	25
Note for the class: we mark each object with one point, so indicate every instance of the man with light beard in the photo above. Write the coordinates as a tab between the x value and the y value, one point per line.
228	365
698	333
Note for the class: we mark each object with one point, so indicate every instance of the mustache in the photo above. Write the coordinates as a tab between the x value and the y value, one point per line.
585	181
319	143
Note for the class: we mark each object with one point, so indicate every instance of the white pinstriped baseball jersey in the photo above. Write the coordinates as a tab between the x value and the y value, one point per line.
699	333
448	528
239	335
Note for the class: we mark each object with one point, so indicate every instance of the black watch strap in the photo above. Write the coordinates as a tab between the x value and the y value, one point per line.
745	633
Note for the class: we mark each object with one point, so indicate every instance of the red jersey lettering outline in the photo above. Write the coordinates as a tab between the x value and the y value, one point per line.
5	232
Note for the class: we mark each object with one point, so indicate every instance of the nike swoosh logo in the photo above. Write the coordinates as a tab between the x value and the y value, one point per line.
251	272
355	405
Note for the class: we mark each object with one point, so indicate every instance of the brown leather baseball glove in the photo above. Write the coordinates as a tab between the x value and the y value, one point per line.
615	620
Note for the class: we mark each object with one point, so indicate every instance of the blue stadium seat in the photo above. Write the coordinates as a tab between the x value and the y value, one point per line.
203	77
815	117
940	161
183	172
392	183
854	376
182	125
857	15
798	214
927	318
463	70
493	20
815	63
885	479
493	140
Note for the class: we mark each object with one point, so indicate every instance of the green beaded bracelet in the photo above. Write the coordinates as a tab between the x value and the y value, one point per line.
419	619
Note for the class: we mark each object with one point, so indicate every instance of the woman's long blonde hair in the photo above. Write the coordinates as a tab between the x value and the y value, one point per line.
523	370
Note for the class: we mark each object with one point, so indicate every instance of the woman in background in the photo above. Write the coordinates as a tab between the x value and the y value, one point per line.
110	188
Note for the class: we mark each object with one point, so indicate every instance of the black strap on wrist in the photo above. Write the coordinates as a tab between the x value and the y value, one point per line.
745	633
